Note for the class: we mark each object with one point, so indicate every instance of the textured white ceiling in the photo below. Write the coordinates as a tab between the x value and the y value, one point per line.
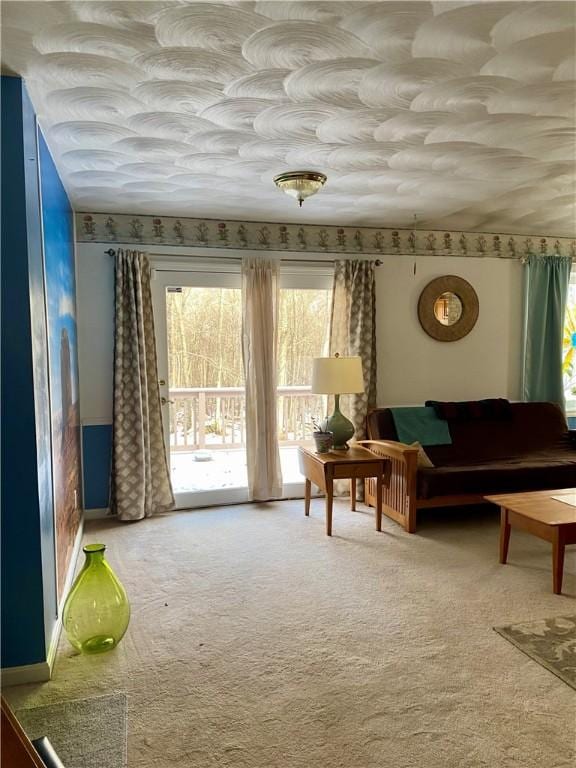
462	113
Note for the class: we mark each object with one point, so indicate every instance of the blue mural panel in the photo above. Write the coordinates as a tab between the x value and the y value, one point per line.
60	286
39	341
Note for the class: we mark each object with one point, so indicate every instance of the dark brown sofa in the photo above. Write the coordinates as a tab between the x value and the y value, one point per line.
531	449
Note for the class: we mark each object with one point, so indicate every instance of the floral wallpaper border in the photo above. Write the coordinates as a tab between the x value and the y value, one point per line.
211	233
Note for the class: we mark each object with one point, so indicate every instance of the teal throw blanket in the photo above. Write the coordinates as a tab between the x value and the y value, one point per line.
420	424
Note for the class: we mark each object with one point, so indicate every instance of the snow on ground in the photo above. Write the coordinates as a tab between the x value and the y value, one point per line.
219	469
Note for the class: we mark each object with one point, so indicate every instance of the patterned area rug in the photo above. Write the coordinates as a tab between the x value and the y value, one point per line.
86	733
550	642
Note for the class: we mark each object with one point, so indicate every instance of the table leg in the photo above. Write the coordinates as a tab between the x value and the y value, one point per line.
353	494
557	560
504	534
307	493
378	511
329	500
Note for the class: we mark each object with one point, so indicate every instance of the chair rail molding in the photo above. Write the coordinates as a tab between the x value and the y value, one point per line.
266	236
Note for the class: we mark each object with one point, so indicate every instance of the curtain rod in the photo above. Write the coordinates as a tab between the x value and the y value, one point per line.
112	252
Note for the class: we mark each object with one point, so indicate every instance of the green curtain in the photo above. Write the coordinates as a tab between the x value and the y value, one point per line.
545	294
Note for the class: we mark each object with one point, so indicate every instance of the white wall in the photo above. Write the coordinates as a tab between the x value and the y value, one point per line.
412	366
95	318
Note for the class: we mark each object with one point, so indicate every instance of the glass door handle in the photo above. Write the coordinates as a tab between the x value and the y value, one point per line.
165	401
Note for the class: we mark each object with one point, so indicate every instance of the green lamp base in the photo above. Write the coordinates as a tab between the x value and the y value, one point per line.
341	427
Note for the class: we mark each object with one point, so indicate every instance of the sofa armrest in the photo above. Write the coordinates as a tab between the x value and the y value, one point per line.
399	494
391	449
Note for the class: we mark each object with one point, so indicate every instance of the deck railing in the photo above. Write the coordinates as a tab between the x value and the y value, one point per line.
215	418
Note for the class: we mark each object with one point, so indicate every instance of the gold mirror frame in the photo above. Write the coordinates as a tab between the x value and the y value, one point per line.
467	320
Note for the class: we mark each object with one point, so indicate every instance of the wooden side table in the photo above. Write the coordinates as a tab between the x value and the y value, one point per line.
323	468
542	515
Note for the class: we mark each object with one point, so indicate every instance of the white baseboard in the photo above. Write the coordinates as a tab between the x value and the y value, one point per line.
97	514
30	673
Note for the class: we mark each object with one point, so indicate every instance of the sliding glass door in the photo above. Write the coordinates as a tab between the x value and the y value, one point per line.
198	329
303	322
198	317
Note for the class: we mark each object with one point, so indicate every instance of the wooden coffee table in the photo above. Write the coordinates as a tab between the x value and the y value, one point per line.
538	513
323	468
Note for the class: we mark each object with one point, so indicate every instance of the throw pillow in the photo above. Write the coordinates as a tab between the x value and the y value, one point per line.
423	458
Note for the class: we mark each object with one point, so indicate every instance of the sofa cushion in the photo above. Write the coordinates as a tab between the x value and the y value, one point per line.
492	409
533	471
533	427
380	425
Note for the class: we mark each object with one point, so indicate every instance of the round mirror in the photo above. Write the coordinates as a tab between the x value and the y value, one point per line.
448	308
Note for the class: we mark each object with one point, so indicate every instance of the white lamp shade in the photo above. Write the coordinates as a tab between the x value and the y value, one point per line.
337	375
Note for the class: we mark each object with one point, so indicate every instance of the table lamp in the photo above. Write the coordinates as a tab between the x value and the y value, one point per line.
338	376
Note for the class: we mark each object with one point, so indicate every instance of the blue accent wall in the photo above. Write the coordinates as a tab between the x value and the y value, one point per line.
28	568
23	631
96	458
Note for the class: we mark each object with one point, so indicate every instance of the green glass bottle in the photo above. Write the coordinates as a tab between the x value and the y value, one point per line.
96	611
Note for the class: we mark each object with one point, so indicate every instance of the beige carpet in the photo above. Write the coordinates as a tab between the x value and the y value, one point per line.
258	642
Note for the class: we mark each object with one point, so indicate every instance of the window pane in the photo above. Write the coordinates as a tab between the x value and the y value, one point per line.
207	399
204	331
302	335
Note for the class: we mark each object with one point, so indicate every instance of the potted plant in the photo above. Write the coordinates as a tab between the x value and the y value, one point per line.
322	437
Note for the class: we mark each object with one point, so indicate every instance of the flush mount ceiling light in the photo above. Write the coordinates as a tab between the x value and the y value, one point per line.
300	184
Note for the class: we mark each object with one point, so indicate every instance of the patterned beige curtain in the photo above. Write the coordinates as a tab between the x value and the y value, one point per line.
140	477
259	343
353	332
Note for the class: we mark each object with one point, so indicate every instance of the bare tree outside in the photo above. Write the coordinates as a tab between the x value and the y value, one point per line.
302	335
204	326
